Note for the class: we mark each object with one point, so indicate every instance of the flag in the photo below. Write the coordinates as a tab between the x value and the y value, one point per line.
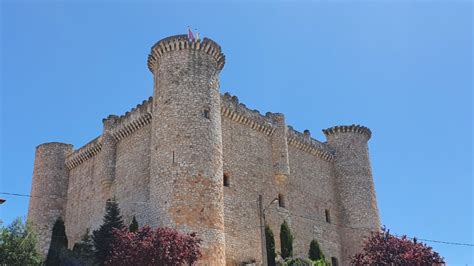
190	35
197	34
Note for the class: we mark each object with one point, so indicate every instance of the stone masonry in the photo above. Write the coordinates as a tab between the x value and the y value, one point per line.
165	162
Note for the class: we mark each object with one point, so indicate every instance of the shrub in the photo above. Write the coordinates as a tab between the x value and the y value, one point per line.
382	248
58	242
103	236
18	245
163	246
286	240
270	241
315	252
133	225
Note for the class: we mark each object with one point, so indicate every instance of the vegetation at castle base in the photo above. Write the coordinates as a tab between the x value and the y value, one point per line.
162	246
382	248
270	242
286	240
102	237
301	262
315	252
133	227
58	242
18	244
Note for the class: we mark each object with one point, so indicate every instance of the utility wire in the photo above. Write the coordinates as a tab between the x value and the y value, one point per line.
239	202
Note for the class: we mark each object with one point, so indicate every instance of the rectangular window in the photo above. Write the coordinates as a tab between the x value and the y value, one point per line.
334	261
281	201
328	216
226	180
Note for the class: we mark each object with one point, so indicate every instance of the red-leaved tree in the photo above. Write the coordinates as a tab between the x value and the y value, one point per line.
163	246
382	248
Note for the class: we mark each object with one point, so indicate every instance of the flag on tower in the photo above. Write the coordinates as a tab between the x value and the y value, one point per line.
190	34
197	34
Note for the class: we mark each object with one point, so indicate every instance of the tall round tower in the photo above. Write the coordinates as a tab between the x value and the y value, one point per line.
355	185
48	190
186	153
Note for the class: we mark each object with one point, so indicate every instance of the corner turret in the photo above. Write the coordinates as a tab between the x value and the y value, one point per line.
48	190
355	184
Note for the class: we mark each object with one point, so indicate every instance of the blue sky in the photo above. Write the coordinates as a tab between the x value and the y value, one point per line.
404	69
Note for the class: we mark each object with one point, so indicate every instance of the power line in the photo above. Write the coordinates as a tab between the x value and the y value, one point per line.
240	202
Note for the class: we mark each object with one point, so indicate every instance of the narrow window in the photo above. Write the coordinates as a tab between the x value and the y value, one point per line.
328	216
226	180
334	261
281	201
206	114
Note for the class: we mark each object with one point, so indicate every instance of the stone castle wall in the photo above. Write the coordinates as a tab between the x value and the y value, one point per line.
165	161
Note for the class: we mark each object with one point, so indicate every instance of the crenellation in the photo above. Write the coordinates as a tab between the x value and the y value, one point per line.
238	112
305	143
84	153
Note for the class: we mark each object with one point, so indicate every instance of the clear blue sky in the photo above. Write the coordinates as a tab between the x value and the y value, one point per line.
402	69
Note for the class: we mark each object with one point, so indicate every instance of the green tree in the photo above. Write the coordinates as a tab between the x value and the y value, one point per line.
270	241
315	252
85	247
133	225
286	241
18	245
58	242
103	236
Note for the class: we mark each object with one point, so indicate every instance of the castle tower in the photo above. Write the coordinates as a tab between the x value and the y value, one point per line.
355	186
48	190
186	151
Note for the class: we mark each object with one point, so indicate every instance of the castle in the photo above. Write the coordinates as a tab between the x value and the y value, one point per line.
196	160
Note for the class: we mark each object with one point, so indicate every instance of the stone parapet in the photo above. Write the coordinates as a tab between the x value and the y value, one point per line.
305	143
348	129
238	112
124	126
84	153
181	42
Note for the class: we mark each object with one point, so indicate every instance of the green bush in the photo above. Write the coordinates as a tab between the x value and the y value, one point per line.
18	245
315	252
270	241
286	240
58	242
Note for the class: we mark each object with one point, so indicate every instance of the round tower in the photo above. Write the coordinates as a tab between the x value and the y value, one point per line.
186	153
355	186
48	190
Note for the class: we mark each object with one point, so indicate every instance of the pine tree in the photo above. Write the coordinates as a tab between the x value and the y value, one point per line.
85	247
270	241
315	252
133	225
58	242
103	236
286	240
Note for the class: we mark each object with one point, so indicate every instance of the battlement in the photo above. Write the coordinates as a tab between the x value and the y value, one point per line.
304	142
348	129
84	153
231	108
133	120
238	112
181	42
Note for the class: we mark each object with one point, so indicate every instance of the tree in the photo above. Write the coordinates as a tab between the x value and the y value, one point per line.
103	236
382	248
18	245
85	247
163	246
270	241
58	242
133	225
286	241
315	252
